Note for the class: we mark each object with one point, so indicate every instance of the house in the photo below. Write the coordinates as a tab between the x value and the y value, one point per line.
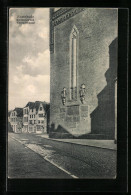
35	119
16	120
41	122
81	45
26	109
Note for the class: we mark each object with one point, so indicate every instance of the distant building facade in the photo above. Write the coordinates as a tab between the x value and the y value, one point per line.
16	120
80	47
35	117
26	116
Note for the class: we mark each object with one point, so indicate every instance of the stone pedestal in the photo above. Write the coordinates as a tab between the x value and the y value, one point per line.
73	120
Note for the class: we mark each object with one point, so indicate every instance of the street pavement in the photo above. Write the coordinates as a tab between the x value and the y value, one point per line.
30	157
25	163
109	144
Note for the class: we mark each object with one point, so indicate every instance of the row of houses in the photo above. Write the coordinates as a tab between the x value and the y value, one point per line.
33	118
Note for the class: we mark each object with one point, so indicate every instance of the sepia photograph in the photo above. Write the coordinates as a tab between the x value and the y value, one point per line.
62	93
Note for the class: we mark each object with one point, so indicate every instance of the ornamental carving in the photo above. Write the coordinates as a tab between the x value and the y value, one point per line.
82	93
58	17
59	12
64	14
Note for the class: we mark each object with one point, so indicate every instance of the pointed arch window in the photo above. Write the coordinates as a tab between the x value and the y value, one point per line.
73	62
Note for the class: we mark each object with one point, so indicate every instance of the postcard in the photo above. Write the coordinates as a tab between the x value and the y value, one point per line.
62	95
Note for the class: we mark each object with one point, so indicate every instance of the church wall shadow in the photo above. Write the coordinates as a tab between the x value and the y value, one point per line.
59	132
103	117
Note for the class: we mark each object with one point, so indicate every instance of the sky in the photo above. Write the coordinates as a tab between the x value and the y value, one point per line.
29	57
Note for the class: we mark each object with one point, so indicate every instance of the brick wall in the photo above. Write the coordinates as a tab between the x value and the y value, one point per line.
97	29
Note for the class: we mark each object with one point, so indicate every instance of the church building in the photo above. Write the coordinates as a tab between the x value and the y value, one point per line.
83	57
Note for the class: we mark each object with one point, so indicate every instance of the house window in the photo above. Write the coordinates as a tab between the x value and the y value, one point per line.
25	119
40	115
39	121
26	111
73	63
38	128
42	122
40	108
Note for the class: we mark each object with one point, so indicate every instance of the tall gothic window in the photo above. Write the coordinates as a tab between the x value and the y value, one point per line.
73	63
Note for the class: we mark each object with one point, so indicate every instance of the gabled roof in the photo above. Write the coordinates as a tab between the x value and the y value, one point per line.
36	105
30	104
19	111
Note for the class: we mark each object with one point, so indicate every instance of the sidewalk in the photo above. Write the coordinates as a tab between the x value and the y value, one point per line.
108	144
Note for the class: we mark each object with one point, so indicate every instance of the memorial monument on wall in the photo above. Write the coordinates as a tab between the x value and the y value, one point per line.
80	52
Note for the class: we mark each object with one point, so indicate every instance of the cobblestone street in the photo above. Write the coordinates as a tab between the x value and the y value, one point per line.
25	163
30	157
